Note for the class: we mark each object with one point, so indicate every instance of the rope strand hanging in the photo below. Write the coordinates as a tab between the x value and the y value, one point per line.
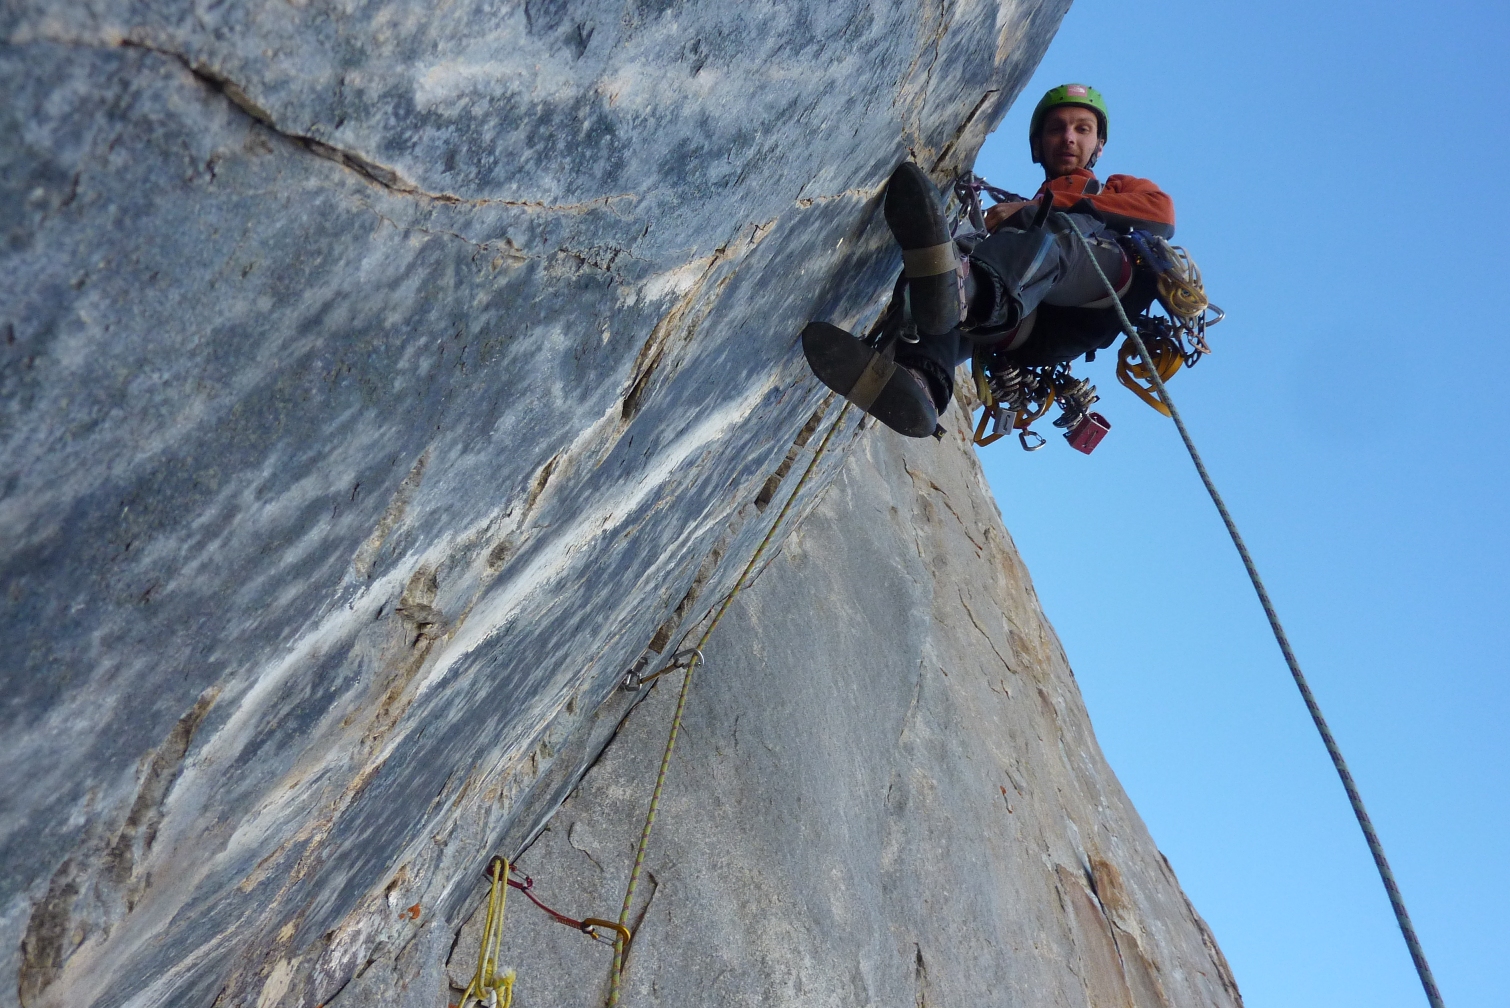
1386	875
490	988
616	977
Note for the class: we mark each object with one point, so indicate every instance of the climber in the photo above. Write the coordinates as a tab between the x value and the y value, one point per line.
1025	292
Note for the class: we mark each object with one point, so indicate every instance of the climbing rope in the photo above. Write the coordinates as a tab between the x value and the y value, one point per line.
1402	917
1167	358
615	978
488	988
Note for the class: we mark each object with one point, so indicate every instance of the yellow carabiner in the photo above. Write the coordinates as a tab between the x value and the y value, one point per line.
1166	357
588	923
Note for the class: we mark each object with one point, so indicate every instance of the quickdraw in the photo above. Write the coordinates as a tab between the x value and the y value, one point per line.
634	679
491	988
587	925
965	207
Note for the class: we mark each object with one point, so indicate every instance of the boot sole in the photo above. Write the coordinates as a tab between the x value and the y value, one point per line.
912	209
855	371
917	221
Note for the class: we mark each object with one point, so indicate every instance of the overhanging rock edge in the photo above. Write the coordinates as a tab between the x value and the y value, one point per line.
375	384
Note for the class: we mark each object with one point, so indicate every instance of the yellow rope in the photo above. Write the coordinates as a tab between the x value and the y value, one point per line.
487	988
615	979
1180	288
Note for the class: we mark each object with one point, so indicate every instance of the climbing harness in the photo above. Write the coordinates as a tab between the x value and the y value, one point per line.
693	658
1386	875
1016	396
489	988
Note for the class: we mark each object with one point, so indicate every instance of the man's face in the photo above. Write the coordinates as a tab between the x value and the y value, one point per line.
1067	140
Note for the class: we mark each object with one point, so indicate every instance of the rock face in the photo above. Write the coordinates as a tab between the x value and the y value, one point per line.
886	792
378	382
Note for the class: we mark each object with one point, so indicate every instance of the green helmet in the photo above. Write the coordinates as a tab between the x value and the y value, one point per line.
1082	95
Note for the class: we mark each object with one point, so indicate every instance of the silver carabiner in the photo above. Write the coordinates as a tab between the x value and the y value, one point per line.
633	681
1022	436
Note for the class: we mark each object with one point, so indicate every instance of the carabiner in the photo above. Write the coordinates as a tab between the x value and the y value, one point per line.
682	659
591	924
1022	436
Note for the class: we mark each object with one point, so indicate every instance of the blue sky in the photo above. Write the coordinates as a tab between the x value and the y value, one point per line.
1332	165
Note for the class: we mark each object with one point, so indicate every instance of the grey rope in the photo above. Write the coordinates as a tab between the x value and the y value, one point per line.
1402	917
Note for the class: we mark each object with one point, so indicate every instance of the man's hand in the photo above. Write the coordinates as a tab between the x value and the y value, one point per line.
1001	212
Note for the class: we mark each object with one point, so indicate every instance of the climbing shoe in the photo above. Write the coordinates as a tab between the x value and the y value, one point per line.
930	260
892	393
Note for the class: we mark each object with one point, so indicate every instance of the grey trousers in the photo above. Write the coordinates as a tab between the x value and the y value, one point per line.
1015	271
1012	272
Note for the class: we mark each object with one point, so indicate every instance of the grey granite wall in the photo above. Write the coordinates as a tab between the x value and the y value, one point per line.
376	382
886	792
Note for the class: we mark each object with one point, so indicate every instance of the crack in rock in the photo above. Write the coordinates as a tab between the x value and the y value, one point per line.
371	171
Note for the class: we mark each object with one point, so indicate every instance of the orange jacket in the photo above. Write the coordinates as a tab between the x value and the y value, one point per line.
1124	202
